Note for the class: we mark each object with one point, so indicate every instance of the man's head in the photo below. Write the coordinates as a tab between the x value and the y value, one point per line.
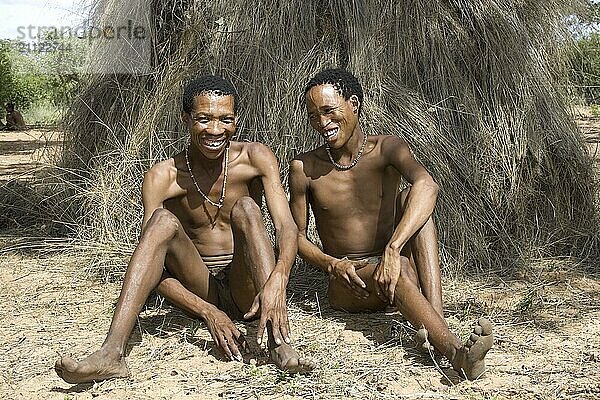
210	113
10	107
333	101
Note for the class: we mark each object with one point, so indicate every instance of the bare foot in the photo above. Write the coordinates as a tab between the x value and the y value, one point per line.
286	358
422	341
480	341
96	367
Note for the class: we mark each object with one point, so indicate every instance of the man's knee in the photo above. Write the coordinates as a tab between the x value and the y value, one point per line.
163	221
245	210
408	275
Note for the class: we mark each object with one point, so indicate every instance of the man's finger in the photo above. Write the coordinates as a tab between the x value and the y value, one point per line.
275	331
347	283
234	351
261	329
356	279
285	329
358	291
254	309
358	285
222	341
391	290
380	292
242	342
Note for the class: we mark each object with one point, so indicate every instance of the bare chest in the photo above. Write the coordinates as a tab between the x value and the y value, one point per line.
200	216
361	190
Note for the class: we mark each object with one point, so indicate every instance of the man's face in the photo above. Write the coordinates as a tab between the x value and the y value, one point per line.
331	115
212	122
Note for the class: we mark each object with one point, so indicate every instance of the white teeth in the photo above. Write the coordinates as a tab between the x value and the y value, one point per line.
331	133
214	144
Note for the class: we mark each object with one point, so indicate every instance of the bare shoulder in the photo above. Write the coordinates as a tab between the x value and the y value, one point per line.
260	156
392	143
160	179
308	159
297	167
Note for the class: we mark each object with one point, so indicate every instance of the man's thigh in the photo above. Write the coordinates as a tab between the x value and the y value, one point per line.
241	283
185	264
342	298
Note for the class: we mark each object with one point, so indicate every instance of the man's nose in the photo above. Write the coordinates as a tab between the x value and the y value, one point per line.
214	128
324	120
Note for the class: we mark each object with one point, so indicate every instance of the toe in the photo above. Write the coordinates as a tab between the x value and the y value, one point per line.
306	365
486	326
478	330
66	364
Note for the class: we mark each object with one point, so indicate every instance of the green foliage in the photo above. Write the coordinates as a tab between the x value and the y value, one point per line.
31	78
585	68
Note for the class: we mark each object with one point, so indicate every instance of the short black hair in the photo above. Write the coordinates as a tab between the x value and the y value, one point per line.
208	84
342	80
11	105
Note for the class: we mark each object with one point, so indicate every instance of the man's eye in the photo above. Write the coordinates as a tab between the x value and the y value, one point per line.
201	120
312	117
228	120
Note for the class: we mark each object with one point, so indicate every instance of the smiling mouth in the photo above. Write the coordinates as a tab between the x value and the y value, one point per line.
213	144
331	133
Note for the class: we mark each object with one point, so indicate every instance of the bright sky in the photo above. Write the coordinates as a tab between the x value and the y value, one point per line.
58	13
23	13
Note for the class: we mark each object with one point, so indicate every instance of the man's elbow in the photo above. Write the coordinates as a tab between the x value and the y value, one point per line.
429	186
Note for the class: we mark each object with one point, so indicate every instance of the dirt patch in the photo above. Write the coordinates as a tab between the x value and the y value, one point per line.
547	342
23	153
547	328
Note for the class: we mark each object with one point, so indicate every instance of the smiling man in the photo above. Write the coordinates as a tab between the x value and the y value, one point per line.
379	244
204	246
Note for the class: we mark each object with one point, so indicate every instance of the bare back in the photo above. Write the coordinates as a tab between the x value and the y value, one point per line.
354	210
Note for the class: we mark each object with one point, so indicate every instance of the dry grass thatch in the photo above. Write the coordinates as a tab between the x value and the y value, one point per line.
472	85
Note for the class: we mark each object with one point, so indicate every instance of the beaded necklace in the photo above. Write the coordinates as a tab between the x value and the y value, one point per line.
353	163
218	204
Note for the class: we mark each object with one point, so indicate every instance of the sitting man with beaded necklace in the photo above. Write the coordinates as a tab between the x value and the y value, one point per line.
379	244
212	258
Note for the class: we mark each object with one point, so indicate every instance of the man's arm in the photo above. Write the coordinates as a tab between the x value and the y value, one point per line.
299	208
422	197
419	206
271	299
343	269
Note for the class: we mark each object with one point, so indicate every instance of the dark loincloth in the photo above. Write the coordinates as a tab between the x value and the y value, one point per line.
220	267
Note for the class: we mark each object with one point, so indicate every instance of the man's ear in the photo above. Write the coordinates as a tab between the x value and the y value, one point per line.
185	117
355	103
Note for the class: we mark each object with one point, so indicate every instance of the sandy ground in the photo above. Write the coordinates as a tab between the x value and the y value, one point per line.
547	332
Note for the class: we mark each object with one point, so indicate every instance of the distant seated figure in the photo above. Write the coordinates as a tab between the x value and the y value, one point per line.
14	119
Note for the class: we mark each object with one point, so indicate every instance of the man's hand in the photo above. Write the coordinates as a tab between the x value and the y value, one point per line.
345	271
225	334
386	275
271	303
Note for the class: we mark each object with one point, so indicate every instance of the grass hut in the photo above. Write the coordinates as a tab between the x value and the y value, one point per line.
474	86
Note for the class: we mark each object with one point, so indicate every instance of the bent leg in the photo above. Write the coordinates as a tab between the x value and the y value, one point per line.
343	299
163	234
425	253
421	314
253	262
